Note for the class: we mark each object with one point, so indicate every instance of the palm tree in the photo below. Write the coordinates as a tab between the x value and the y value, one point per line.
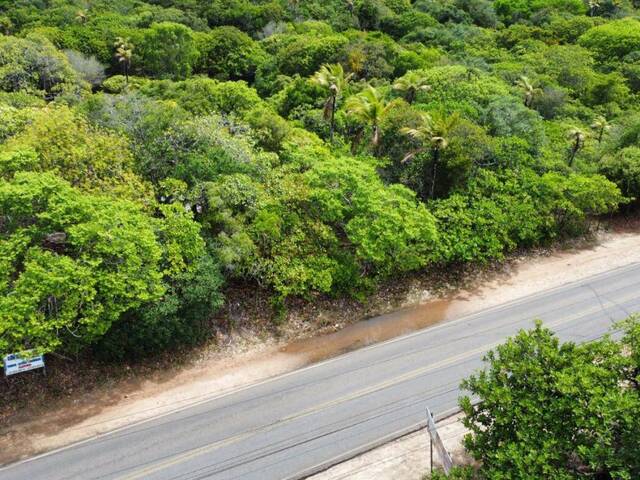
350	6
355	61
124	54
577	138
370	108
431	134
529	90
600	125
332	78
5	26
294	4
410	84
82	16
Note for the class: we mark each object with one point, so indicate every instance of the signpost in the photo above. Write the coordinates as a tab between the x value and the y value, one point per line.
445	458
22	362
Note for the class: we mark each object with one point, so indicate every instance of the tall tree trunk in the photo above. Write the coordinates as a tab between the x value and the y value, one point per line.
434	171
426	178
375	141
333	117
355	141
574	152
411	96
429	173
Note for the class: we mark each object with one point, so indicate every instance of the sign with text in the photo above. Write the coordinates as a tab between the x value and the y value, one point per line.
436	441
22	362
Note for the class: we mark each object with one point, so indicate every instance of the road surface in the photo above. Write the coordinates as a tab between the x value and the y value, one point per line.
293	425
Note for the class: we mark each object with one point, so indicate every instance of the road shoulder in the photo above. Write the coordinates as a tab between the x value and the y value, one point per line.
90	416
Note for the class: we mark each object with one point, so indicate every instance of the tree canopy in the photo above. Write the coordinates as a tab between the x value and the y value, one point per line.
162	149
551	410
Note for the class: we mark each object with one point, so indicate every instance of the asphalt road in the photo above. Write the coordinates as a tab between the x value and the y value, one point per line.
289	426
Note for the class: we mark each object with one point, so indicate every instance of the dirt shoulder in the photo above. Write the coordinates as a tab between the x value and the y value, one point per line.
96	398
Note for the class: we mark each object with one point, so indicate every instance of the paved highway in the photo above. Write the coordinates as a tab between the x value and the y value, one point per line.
291	425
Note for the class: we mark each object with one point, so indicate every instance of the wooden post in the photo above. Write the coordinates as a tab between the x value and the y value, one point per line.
431	460
445	457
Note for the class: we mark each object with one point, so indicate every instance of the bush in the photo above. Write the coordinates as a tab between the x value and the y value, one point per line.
456	473
300	235
613	39
119	83
72	263
303	54
89	158
482	12
243	14
537	403
88	68
481	224
229	54
34	65
13	121
623	168
192	295
75	267
167	50
268	128
203	96
513	10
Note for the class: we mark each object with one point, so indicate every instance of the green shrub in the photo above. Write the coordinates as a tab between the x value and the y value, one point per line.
203	96
514	10
538	395
613	39
34	65
227	53
623	168
167	50
72	263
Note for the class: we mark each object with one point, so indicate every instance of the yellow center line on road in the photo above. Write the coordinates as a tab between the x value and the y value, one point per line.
182	457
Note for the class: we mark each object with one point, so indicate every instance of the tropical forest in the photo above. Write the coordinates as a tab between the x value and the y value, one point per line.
178	176
154	152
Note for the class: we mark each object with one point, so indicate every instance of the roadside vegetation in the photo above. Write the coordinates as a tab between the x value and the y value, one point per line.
153	152
546	409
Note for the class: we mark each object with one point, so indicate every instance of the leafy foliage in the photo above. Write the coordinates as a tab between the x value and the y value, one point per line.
168	50
624	169
319	147
34	65
616	38
63	142
556	410
230	54
72	263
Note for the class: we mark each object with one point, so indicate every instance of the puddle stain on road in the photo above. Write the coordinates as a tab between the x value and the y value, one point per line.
375	330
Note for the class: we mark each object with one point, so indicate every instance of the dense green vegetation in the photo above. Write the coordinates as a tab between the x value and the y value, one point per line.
152	150
552	410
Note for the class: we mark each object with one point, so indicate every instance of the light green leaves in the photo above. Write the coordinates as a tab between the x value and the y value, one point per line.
74	263
388	228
